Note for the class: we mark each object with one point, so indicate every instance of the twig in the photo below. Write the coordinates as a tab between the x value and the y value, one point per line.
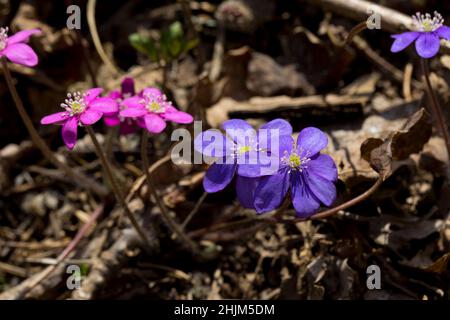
194	210
174	226
436	108
392	20
76	177
117	191
29	284
96	39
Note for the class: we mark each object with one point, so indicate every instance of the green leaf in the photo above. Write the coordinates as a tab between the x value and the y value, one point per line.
145	45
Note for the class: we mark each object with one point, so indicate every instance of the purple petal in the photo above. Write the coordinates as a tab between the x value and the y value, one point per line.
91	94
22	36
311	140
178	116
427	45
133	102
133	112
212	143
403	40
90	117
128	86
282	127
104	105
69	132
111	121
323	165
240	132
323	189
245	190
271	191
55	118
443	32
154	123
21	53
304	201
250	170
218	177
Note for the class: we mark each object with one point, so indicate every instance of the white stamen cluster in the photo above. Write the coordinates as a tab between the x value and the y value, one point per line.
426	22
295	161
155	103
3	37
74	104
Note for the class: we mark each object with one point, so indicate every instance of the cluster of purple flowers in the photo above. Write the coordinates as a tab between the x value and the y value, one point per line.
268	164
149	109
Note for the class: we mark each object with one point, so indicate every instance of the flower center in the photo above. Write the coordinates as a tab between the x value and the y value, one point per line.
426	22
295	161
243	149
155	103
3	37
74	104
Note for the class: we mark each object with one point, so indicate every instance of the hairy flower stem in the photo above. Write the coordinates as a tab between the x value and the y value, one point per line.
348	204
117	191
77	177
436	108
174	226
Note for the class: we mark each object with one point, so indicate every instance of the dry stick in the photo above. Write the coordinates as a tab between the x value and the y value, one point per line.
274	220
117	191
86	57
65	253
439	116
175	227
194	210
77	177
96	39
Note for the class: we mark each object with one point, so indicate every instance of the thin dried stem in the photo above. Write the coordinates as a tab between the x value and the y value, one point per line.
117	191
174	226
77	177
194	210
436	108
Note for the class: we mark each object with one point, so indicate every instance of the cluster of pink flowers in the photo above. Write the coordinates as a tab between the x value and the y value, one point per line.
149	110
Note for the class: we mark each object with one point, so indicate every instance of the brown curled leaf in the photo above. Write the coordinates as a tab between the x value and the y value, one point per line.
409	139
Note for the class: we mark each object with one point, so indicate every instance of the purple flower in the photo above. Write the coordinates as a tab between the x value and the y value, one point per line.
151	109
241	150
427	35
127	125
15	48
80	109
309	175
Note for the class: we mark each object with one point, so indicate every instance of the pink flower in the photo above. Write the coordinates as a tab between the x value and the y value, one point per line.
127	125
151	110
80	109
15	48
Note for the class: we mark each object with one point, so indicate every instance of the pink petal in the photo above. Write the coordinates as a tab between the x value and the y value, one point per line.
178	116
152	91
154	123
104	105
114	94
111	121
69	132
91	94
133	112
55	118
90	117
22	36
21	53
133	102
